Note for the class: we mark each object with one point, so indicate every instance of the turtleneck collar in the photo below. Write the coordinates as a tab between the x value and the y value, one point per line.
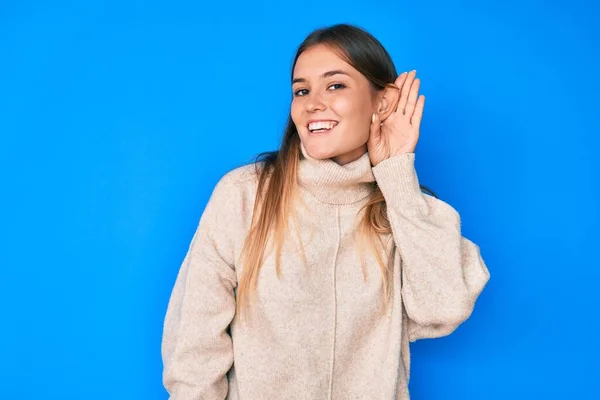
332	183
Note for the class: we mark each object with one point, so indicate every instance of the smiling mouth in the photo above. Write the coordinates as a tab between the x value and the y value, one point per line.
321	126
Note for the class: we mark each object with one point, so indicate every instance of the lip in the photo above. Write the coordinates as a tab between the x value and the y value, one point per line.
321	120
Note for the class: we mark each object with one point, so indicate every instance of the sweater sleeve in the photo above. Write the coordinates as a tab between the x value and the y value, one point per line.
197	349
442	271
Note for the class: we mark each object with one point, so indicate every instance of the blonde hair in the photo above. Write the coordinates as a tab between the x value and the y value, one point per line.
275	196
277	178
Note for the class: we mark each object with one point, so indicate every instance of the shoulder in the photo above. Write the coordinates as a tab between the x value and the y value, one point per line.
228	212
244	175
238	186
241	178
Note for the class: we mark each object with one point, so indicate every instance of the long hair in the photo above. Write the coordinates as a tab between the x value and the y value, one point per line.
277	175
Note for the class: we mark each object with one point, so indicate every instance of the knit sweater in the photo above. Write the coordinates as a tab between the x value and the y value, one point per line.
320	330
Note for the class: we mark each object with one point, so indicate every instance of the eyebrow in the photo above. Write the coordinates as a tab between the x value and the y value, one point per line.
324	75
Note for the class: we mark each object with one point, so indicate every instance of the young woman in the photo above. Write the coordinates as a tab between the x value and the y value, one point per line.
311	271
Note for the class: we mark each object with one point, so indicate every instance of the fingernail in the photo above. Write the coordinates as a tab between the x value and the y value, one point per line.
373	118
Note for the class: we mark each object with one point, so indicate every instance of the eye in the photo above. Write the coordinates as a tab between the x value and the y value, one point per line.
337	86
301	92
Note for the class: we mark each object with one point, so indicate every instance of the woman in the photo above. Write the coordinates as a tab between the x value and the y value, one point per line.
310	272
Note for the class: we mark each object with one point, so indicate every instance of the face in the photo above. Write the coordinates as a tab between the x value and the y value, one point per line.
332	106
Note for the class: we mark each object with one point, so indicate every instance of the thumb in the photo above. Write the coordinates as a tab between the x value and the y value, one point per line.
375	130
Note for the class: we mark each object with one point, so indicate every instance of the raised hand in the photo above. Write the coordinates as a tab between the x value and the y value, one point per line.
399	132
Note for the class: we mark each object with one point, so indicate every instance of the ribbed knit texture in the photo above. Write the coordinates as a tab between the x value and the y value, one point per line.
321	331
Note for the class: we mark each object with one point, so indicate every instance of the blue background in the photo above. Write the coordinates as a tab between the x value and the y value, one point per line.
117	119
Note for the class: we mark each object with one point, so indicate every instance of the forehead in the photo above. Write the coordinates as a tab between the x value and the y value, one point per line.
319	59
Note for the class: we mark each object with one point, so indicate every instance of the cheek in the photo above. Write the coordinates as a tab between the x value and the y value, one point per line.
295	112
351	107
356	114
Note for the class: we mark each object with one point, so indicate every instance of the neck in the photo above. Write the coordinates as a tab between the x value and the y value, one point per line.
334	183
354	155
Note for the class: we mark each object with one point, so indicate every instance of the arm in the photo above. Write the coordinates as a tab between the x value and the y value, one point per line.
196	347
442	272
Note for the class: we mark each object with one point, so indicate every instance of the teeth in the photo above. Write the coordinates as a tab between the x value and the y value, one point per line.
320	125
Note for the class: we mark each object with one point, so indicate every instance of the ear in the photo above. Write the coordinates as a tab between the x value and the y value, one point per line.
387	101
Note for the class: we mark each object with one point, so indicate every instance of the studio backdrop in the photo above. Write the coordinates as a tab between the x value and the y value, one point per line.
117	118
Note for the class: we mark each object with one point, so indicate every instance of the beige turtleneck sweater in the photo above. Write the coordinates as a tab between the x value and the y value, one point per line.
321	331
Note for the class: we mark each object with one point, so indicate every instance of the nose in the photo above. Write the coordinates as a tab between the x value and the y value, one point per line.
314	102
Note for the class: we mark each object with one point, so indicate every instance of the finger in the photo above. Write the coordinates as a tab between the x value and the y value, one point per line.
398	84
400	79
412	97
418	114
405	90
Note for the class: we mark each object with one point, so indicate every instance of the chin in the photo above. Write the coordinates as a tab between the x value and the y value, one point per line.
320	152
